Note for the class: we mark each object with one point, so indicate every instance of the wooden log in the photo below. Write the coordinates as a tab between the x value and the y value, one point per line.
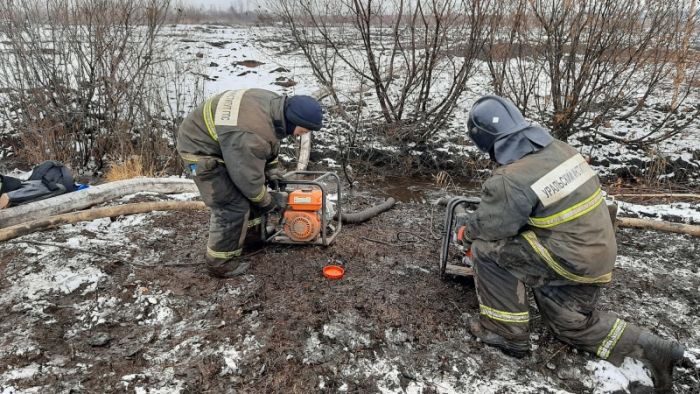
93	195
679	228
143	207
657	195
458	270
97	213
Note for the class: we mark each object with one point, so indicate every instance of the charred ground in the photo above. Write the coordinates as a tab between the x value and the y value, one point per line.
155	321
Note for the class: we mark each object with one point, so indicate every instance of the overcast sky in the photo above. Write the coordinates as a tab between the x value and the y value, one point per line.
221	3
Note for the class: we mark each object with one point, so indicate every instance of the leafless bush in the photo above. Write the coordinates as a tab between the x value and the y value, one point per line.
580	65
90	82
415	57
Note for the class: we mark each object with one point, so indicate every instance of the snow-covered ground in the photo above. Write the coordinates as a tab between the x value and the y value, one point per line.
222	53
54	286
220	50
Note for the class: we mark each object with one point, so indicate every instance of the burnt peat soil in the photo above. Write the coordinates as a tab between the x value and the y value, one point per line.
154	320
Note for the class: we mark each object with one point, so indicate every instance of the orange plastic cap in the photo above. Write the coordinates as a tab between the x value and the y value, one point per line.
333	271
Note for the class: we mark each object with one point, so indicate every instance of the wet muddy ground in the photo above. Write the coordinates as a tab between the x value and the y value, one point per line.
125	305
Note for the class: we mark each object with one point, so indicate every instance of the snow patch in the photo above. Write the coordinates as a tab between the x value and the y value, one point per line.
609	379
53	275
27	372
183	196
233	357
680	211
692	355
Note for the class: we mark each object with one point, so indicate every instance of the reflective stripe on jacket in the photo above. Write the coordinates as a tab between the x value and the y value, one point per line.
553	199
241	128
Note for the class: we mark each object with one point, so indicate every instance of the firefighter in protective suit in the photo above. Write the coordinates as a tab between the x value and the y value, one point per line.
542	223
230	145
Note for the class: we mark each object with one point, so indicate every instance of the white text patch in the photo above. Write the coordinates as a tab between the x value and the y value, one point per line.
563	180
227	108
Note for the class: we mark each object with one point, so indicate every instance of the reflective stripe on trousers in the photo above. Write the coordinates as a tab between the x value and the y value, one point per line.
223	255
504	316
531	238
608	344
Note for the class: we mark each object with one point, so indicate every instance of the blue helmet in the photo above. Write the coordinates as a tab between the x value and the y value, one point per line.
497	127
492	118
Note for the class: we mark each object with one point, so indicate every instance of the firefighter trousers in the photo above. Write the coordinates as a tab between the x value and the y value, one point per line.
232	217
504	270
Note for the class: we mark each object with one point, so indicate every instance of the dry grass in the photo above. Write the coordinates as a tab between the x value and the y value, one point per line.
43	140
132	167
442	179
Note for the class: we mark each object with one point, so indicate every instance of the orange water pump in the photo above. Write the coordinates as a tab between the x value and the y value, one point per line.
313	209
302	219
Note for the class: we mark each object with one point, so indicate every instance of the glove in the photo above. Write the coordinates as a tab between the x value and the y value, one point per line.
273	176
461	219
461	237
278	202
266	209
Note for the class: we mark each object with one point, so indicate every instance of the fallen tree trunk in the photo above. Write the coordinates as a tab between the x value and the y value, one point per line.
92	214
359	217
144	207
82	199
657	195
659	225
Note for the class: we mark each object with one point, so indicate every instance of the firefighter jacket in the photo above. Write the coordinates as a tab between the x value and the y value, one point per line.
242	129
552	199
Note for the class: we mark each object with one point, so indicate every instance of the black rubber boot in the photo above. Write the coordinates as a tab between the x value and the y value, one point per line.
227	269
660	355
517	349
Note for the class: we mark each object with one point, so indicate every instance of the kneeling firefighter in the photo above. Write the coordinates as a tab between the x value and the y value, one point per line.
230	145
543	223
